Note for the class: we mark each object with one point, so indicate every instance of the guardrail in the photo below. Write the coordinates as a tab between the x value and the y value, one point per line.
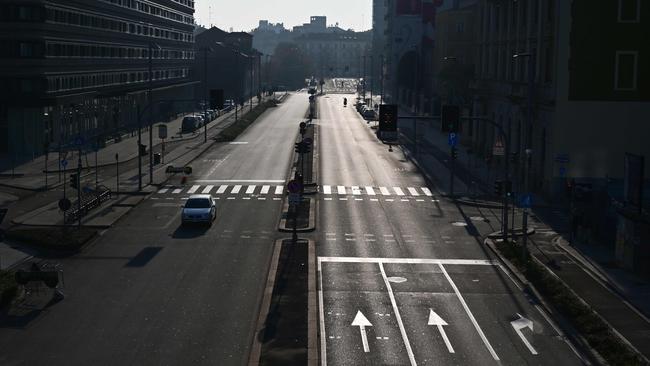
89	201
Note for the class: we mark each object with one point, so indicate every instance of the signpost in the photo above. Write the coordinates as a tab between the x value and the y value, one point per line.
453	139
387	129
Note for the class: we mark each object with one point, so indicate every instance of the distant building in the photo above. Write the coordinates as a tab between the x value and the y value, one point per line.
337	54
317	24
80	68
379	13
267	36
233	65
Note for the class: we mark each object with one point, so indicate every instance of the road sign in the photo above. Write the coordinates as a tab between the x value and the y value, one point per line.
294	186
294	199
498	149
79	141
65	204
64	163
453	139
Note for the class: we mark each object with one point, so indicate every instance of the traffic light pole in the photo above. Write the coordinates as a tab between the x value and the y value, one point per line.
79	188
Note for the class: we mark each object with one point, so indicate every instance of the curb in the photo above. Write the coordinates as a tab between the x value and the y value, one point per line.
512	233
572	333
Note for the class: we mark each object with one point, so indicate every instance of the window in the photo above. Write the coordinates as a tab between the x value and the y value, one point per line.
625	75
629	11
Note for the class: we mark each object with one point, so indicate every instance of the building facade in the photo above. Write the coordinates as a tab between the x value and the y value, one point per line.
227	61
337	54
81	68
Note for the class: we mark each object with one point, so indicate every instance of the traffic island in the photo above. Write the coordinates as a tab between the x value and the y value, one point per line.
590	330
304	216
284	336
55	239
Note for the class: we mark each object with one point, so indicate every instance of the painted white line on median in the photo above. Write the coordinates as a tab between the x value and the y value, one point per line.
207	189
251	189
398	191
240	181
193	189
222	189
370	191
402	330
236	189
327	189
413	191
469	313
279	189
427	191
323	341
265	189
341	190
467	262
164	190
384	191
177	191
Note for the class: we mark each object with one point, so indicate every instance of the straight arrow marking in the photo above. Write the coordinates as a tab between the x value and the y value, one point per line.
520	324
362	322
435	319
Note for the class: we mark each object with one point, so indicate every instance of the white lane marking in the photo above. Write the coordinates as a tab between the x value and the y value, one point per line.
435	319
231	198
374	200
261	198
427	191
413	192
164	190
251	189
398	191
469	313
343	199
389	200
362	322
341	190
265	189
222	189
236	189
397	315
356	190
207	189
193	189
384	191
177	191
279	189
465	262
370	191
328	199
240	181
327	189
323	341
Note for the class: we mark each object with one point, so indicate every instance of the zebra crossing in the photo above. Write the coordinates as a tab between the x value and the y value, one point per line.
329	193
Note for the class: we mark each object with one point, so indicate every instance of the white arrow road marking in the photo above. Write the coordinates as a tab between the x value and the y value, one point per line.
520	324
435	319
362	322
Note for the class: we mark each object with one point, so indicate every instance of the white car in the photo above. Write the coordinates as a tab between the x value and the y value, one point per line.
199	208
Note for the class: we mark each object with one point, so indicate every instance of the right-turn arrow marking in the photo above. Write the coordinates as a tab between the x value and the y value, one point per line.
520	324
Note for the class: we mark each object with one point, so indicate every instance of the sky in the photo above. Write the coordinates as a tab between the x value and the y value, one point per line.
244	15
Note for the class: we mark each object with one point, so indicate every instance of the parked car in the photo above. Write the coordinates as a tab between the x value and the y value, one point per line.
190	124
215	113
199	208
369	114
228	105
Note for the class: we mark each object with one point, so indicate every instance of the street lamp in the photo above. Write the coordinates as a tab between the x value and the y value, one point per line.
152	46
205	90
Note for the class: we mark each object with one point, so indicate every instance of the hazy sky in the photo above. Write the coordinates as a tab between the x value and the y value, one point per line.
244	15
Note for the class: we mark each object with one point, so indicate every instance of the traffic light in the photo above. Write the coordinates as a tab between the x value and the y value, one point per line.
302	147
303	128
298	147
74	181
498	188
454	153
450	118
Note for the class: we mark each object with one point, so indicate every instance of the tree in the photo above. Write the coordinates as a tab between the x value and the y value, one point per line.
289	66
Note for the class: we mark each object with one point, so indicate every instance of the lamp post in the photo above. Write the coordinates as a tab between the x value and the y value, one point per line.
205	90
381	71
152	46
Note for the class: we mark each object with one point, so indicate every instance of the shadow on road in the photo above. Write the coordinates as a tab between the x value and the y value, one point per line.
189	232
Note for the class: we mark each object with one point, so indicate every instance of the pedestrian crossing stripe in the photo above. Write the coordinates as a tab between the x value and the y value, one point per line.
327	190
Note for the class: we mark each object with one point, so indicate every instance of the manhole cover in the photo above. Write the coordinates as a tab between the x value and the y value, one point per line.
397	279
458	223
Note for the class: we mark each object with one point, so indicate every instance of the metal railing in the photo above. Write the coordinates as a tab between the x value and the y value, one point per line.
89	201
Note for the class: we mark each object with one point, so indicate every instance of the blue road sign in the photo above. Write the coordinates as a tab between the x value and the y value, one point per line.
527	201
64	163
453	139
79	141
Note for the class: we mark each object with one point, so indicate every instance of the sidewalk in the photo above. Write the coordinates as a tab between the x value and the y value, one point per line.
30	175
619	297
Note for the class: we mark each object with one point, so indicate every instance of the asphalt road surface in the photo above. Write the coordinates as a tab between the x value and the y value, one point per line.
404	278
150	292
